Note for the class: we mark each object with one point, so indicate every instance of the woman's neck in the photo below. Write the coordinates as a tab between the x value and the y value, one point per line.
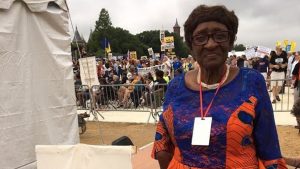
212	76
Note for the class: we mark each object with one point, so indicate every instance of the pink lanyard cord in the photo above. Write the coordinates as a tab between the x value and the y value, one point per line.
210	104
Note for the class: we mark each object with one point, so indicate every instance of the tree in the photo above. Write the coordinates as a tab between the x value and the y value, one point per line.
104	21
150	39
122	40
239	47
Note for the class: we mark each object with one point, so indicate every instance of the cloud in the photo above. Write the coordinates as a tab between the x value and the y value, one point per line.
262	22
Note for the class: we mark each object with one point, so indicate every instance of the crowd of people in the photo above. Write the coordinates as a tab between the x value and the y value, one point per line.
278	65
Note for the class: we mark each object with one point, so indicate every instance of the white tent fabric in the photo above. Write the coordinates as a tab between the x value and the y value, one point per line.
37	100
83	156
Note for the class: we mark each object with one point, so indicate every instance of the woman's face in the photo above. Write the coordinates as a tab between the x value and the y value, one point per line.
211	54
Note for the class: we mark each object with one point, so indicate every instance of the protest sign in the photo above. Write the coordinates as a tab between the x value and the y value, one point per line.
109	56
150	51
162	48
169	39
88	71
262	51
146	70
250	53
169	45
133	55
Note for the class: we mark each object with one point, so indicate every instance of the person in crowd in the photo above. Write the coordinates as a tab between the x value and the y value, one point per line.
167	77
254	63
246	63
296	77
240	62
125	91
190	62
160	81
233	61
100	69
294	63
176	64
291	60
167	64
296	112
262	66
185	64
278	63
218	116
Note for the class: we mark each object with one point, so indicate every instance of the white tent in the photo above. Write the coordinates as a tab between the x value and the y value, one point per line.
37	99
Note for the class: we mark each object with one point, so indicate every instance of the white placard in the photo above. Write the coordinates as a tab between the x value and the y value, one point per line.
169	45
88	71
143	71
262	51
162	48
201	131
250	53
150	51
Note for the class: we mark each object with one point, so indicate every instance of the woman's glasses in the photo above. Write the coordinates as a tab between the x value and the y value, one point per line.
202	38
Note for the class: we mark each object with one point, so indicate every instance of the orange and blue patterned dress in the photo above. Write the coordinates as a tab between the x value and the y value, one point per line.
243	133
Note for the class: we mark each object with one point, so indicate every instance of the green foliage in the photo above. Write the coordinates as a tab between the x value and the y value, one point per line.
239	47
150	39
104	21
122	40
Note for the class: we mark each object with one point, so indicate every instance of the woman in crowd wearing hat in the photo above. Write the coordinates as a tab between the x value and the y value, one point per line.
216	116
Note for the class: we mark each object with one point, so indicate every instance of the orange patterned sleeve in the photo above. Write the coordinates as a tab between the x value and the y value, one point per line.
162	139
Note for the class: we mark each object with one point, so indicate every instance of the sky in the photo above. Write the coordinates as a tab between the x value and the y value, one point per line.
261	22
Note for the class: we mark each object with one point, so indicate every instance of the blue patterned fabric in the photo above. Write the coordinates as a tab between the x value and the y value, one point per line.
185	106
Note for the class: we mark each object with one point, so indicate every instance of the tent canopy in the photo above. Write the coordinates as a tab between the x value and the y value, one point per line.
37	101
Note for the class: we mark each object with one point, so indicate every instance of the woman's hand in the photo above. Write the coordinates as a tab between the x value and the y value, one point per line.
164	158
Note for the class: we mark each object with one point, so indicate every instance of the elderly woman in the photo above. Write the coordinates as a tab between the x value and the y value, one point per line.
216	116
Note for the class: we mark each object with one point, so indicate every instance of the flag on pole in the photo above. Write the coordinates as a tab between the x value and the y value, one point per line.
107	49
105	44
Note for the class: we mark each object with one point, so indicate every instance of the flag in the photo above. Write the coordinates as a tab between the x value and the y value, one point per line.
107	49
105	44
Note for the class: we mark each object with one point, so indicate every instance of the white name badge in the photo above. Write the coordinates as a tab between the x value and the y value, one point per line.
201	131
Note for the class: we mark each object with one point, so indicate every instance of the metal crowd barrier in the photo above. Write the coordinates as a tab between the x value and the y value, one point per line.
140	97
122	97
286	95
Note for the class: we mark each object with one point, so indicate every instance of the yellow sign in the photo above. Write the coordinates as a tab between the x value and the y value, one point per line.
293	46
286	42
133	55
278	43
169	39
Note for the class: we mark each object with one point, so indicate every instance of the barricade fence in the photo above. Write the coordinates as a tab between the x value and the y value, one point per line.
150	97
122	97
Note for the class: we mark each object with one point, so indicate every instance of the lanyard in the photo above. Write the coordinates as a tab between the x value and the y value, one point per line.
201	97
